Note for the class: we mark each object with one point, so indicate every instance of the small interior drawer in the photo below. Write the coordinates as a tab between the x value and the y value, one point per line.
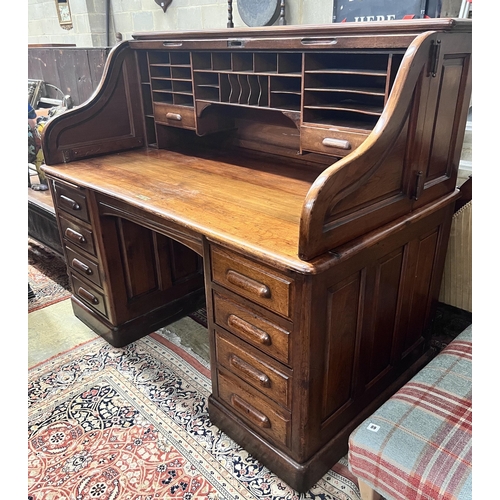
248	325
71	200
253	281
83	265
330	141
77	235
176	116
262	415
88	294
257	371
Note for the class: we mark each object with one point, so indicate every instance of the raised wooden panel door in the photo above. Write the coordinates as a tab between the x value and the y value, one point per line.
343	330
420	272
145	269
183	263
382	300
451	76
442	119
137	245
377	312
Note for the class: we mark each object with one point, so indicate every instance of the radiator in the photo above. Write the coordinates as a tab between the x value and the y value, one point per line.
456	287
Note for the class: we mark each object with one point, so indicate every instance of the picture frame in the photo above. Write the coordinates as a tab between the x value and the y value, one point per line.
64	14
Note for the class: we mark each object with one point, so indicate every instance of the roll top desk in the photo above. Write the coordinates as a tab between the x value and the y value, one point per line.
299	181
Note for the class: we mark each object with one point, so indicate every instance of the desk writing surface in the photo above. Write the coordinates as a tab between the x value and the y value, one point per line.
257	209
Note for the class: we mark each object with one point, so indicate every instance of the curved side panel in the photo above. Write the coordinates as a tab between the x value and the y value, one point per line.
352	196
110	121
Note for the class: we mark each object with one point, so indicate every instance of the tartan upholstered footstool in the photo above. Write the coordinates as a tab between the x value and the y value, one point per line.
418	445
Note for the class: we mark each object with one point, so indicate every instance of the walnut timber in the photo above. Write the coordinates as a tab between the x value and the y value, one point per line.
300	180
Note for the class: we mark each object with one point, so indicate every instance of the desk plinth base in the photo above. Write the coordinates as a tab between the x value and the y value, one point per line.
121	335
303	476
299	476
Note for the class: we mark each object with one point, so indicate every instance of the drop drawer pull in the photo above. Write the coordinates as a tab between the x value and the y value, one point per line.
69	202
336	143
75	236
174	116
248	329
77	264
249	370
88	296
259	418
248	284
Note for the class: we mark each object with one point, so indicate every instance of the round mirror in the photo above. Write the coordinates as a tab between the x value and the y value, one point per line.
259	12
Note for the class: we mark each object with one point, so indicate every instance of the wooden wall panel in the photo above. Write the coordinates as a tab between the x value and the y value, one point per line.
76	71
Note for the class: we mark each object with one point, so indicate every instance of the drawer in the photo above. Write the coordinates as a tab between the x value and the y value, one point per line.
330	141
78	235
249	326
88	294
262	415
83	266
255	282
254	370
71	200
176	116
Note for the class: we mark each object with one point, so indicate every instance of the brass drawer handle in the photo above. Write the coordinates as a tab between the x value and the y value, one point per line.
69	202
88	296
248	329
248	284
174	116
259	418
80	266
249	371
336	143
74	236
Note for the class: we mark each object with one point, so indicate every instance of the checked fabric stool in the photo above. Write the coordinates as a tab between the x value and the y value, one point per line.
418	445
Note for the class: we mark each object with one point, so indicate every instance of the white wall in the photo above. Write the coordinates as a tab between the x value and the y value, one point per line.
129	16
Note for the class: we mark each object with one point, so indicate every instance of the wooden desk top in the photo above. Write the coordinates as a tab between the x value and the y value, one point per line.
247	205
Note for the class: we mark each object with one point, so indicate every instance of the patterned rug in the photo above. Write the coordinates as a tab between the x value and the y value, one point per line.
132	424
47	277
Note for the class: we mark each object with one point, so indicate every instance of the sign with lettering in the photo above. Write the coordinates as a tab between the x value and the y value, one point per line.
382	10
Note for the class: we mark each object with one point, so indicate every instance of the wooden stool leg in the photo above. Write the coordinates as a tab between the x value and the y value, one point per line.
367	492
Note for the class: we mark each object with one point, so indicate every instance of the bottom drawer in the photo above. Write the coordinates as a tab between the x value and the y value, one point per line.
263	415
89	295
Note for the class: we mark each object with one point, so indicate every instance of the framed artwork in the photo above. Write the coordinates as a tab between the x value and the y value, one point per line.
64	14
